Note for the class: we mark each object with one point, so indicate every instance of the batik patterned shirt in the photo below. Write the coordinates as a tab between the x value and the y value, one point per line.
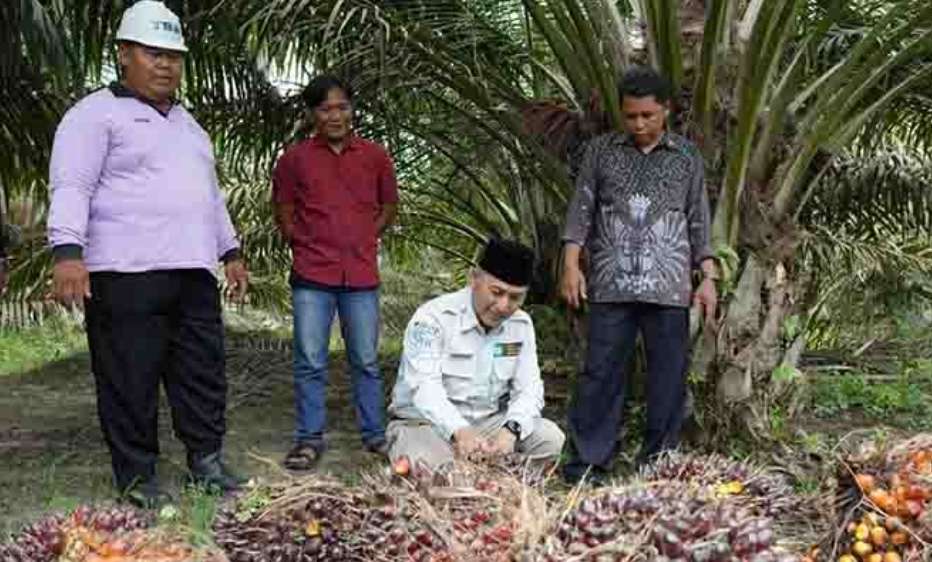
643	219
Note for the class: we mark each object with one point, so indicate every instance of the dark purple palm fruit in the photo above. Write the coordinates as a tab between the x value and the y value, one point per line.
118	519
38	542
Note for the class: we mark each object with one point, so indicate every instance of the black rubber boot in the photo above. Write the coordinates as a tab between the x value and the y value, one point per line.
146	495
208	470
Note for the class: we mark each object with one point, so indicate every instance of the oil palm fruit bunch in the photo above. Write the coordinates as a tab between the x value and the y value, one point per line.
46	539
330	527
772	491
904	492
111	520
877	538
307	533
393	533
680	525
39	542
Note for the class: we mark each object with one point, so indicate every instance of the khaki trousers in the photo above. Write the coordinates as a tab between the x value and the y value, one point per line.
420	442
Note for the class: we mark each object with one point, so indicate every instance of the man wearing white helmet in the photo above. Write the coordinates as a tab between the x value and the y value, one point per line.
138	226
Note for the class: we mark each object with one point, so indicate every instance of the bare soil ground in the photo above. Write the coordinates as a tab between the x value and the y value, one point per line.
52	453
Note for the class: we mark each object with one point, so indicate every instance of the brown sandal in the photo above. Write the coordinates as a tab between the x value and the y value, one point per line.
303	456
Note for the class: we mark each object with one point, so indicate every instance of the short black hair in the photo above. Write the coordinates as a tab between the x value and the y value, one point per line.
643	81
316	92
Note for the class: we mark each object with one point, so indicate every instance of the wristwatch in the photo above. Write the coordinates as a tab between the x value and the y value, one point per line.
515	428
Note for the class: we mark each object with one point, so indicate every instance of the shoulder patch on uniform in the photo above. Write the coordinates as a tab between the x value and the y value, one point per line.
420	338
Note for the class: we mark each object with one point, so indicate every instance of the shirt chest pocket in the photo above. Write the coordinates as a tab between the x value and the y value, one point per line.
131	144
363	183
458	373
504	370
313	190
673	177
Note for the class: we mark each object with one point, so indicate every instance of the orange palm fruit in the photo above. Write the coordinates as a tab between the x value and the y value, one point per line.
878	536
402	466
890	505
899	538
902	510
881	498
866	482
901	493
915	492
893	523
847	558
875	557
892	556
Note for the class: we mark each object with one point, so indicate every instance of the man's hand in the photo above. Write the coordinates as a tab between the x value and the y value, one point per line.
573	287
71	282
386	217
467	441
237	279
572	282
706	298
501	443
284	217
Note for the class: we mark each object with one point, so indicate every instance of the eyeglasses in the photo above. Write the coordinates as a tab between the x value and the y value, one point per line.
171	57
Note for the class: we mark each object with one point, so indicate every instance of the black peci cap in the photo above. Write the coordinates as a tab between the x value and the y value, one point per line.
509	261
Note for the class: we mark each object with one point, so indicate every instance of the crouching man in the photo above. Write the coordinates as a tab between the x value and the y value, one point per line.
468	382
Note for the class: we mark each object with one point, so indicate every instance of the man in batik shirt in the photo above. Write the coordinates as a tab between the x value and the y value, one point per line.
641	212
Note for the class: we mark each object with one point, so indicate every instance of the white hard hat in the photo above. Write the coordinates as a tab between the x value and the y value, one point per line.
151	23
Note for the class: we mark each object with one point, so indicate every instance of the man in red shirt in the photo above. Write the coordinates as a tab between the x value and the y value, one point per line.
334	195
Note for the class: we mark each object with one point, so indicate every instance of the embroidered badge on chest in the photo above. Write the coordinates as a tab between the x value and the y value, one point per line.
508	349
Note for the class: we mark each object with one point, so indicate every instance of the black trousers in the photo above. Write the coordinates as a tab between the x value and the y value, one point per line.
143	328
596	414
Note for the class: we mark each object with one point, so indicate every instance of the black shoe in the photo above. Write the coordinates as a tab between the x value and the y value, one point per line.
378	446
146	495
209	470
303	456
595	477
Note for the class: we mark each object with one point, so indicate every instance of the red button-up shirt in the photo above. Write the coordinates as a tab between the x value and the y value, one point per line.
337	199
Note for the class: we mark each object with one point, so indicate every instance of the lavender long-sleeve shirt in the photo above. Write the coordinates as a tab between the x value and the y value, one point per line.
134	189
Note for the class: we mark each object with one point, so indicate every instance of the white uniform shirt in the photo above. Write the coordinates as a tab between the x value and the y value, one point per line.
453	373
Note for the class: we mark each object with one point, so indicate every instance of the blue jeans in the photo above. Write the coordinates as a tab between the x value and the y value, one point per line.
359	323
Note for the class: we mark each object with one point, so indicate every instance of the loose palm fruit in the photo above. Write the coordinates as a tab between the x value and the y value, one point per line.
862	548
865	482
878	536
